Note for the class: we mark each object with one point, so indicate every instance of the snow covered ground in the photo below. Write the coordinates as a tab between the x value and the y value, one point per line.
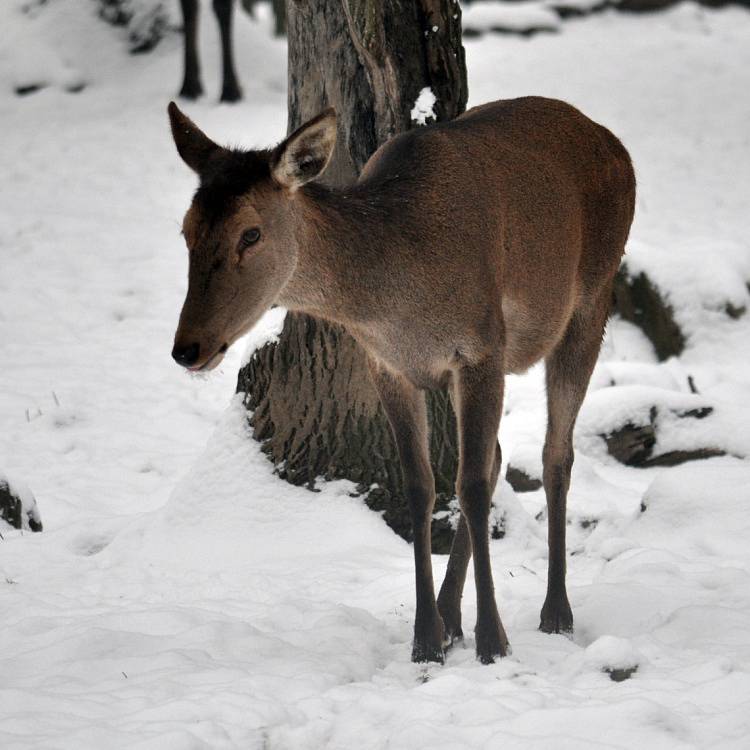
181	597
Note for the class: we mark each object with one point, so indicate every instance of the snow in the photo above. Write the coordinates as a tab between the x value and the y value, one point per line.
610	652
27	61
692	504
183	597
488	15
266	331
423	107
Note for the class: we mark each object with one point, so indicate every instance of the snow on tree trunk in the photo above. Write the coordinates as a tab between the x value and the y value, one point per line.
314	408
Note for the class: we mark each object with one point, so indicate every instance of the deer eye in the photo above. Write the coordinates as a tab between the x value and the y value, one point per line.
249	237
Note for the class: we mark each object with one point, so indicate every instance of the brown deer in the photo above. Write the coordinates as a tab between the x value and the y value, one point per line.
467	249
192	87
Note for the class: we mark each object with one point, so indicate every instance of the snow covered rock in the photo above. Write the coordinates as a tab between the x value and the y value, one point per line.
524	472
615	656
146	21
645	6
639	300
646	426
18	506
520	481
578	8
678	295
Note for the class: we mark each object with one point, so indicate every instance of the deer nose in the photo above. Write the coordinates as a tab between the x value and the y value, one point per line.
186	355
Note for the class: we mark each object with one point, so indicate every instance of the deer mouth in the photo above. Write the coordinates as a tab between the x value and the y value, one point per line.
213	361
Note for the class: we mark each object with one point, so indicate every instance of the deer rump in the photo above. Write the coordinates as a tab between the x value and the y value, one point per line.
525	201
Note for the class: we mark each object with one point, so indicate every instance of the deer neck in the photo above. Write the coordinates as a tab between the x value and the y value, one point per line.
343	253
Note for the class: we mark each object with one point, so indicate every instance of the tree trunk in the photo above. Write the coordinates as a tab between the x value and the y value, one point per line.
314	408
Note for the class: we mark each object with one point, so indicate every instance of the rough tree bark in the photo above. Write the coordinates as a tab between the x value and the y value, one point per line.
314	408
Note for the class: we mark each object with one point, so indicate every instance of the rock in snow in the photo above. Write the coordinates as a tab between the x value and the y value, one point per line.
647	426
18	506
615	656
639	300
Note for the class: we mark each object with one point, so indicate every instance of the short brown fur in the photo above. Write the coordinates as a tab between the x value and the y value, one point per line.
466	250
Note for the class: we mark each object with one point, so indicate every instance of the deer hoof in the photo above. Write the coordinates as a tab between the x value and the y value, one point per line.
490	649
453	637
423	652
191	90
452	621
556	617
491	642
429	641
230	94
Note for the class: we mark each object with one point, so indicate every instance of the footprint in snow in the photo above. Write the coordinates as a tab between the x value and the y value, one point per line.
88	545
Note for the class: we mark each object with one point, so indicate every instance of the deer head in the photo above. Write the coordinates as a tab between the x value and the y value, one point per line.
240	231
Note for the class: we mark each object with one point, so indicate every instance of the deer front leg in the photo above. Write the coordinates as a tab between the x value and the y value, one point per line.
191	83
405	408
479	396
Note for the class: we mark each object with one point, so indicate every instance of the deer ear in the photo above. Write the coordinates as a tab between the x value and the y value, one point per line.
305	153
193	145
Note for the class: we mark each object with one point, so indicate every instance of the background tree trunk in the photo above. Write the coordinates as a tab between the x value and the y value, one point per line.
314	408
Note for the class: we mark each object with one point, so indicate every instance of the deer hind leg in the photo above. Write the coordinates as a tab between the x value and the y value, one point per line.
406	410
230	88
568	370
479	396
191	82
449	598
